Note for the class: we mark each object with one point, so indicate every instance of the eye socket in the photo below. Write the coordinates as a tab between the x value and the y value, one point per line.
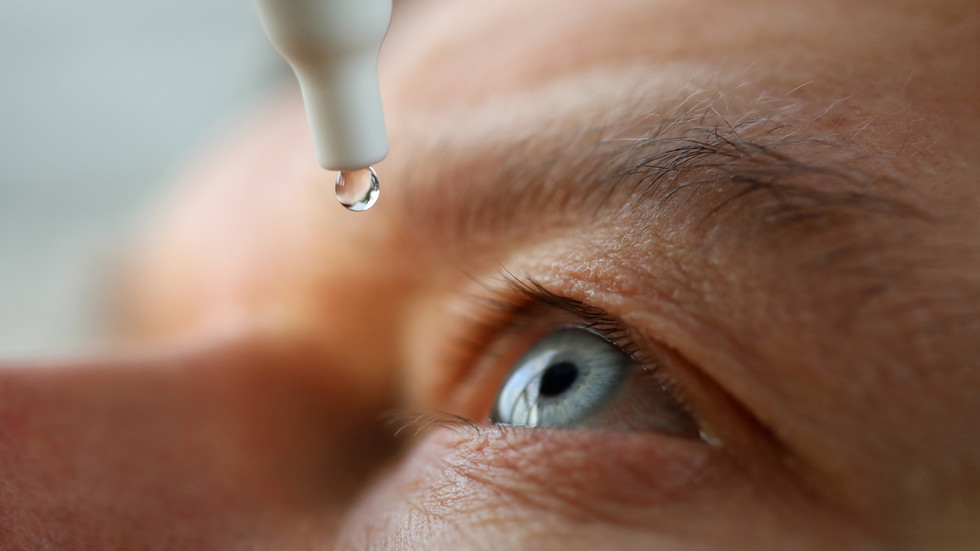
574	378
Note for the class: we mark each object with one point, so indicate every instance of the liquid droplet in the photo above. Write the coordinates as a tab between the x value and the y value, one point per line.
358	189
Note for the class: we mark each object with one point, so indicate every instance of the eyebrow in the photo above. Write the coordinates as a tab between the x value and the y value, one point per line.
754	178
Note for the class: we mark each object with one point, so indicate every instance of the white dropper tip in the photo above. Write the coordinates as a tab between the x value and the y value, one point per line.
333	47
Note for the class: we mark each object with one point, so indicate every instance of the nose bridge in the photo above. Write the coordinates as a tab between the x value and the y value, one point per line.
230	437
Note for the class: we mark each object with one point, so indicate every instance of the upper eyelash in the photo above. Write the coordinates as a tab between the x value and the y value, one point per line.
595	319
506	306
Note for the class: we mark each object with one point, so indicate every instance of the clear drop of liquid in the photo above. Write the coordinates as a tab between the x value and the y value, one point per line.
358	189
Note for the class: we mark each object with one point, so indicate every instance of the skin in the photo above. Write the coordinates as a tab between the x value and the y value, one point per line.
825	350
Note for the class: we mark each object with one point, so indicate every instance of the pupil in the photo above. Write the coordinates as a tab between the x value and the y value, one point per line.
557	379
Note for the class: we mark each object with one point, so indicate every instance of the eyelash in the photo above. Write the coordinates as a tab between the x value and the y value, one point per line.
519	301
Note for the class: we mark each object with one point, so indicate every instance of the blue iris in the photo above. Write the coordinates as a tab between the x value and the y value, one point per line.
561	381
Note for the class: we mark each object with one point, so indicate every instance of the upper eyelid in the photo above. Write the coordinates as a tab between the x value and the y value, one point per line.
595	318
519	295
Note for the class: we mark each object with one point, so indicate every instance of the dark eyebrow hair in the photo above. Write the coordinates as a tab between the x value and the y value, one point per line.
780	179
697	170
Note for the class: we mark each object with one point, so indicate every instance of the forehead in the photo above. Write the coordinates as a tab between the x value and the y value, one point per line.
484	48
464	53
851	66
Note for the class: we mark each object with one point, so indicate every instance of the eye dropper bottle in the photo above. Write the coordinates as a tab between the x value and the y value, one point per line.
333	46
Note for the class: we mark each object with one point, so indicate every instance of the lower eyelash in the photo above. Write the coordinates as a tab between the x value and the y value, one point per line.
414	424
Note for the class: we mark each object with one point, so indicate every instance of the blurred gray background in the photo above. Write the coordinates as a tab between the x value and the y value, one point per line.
100	102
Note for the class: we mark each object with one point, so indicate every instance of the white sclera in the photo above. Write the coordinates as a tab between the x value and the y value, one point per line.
358	190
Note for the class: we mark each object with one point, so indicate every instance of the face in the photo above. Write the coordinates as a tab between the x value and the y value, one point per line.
647	275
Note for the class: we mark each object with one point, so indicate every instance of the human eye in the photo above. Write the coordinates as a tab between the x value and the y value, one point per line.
562	380
574	377
562	364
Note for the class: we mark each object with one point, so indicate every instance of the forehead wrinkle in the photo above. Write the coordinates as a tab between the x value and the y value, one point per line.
475	171
490	180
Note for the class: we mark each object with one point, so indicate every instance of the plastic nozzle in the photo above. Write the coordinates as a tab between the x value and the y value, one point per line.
333	47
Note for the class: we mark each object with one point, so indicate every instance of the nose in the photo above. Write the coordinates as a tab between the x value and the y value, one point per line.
190	446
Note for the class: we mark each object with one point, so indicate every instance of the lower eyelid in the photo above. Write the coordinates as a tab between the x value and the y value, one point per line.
580	473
